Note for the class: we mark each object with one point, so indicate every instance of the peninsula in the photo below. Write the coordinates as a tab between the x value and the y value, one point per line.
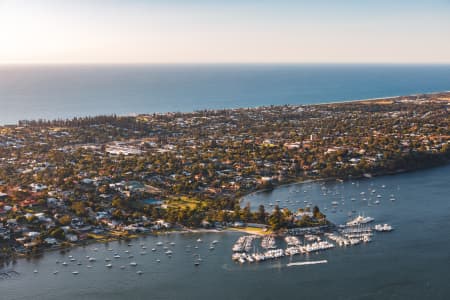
65	182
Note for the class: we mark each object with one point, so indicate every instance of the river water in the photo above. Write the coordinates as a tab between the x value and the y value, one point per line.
412	262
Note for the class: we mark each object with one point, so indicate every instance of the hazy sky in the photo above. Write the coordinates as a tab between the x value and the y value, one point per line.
166	31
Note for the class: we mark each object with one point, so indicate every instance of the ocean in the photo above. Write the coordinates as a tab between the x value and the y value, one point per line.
64	91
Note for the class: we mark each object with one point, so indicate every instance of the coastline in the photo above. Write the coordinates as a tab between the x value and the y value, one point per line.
301	181
243	230
285	181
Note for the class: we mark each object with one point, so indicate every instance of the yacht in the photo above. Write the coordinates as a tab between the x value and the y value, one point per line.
383	228
75	272
134	264
108	265
359	220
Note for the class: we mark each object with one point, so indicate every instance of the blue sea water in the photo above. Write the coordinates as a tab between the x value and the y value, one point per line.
51	92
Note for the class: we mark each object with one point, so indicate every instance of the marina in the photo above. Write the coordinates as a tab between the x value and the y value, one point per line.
419	218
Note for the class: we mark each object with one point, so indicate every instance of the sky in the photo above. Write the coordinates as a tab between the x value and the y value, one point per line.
224	31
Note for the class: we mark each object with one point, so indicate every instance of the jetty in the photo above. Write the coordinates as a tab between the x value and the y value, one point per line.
304	263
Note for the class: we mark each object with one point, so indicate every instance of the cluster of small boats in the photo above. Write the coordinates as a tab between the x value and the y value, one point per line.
243	257
244	243
268	242
116	257
354	232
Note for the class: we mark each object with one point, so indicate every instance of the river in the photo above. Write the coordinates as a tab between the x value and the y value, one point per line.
412	262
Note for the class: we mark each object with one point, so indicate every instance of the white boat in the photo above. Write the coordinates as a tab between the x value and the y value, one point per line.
55	272
117	256
64	263
107	259
134	264
360	220
122	267
159	243
383	228
153	249
75	272
139	272
35	271
199	240
91	258
108	265
158	260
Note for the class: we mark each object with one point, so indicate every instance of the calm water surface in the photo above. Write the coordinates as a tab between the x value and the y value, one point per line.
51	92
412	262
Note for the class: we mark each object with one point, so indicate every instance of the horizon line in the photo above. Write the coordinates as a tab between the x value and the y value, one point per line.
74	63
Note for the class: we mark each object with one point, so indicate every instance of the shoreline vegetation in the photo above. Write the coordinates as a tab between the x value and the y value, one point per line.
66	183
